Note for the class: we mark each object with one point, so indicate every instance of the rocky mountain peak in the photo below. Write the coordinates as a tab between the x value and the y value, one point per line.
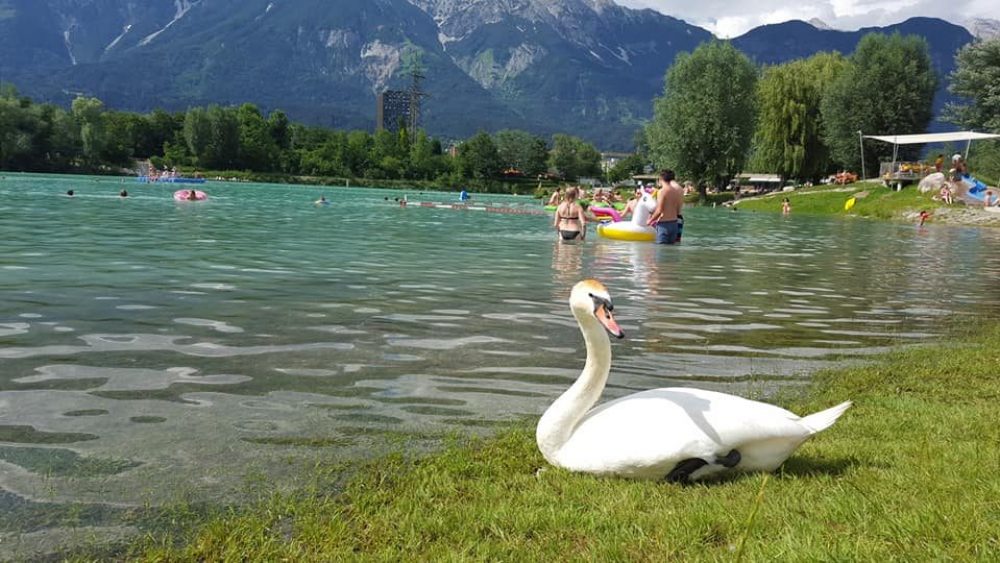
984	28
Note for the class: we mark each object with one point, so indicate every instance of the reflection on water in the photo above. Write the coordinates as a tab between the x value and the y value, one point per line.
150	348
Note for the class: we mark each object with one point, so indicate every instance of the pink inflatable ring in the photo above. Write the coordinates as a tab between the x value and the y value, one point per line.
185	195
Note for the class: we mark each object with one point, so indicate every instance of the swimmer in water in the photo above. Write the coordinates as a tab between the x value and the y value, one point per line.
123	193
70	193
192	195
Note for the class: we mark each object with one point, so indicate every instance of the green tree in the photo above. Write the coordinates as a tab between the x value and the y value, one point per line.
198	133
976	79
159	128
390	151
789	136
258	151
120	129
520	150
89	116
280	129
627	167
424	164
888	88
976	76
703	123
479	158
573	158
17	129
358	153
224	151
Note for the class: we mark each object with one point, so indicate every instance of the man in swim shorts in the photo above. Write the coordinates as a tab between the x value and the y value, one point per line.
669	202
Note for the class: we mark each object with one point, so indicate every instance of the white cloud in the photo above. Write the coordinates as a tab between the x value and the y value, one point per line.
729	19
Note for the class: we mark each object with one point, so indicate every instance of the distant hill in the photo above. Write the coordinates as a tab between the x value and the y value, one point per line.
588	67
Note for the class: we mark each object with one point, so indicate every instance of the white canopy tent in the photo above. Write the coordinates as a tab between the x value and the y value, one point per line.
922	139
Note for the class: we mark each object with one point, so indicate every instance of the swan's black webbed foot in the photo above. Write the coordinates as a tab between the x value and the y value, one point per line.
683	470
730	460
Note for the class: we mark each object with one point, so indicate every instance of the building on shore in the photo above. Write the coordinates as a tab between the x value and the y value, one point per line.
393	110
610	159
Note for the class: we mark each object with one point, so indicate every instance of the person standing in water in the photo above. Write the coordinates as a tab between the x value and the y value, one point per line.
669	201
570	220
786	206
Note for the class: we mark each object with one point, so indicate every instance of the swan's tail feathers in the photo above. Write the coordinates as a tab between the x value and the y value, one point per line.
822	420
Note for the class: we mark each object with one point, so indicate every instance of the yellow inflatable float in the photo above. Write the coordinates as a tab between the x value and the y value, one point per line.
635	230
626	230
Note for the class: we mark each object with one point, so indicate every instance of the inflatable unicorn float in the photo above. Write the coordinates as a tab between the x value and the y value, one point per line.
636	229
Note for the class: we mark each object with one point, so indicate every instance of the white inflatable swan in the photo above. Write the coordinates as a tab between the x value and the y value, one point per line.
674	433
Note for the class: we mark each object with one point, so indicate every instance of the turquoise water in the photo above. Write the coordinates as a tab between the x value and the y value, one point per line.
152	349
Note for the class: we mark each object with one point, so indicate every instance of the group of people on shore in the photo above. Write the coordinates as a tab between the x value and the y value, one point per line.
570	221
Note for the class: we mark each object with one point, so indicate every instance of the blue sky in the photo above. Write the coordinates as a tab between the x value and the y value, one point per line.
728	19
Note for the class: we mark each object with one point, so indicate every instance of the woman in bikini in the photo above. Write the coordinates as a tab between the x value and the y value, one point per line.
570	221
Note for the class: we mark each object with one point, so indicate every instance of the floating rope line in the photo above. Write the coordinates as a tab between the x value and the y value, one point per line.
486	208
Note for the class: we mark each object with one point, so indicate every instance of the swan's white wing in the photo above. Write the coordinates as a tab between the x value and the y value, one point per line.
648	433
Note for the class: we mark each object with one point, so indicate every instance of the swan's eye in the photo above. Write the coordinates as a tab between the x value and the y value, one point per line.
601	302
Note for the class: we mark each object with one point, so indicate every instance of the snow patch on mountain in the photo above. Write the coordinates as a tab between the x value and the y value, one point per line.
69	46
118	39
182	8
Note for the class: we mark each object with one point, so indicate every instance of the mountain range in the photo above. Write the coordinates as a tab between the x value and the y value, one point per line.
587	67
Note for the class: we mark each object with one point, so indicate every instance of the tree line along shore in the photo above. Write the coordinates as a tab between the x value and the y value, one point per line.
720	114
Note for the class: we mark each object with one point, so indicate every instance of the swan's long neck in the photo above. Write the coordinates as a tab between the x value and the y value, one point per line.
560	420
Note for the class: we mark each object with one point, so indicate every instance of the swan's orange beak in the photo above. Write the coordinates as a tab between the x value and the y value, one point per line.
608	320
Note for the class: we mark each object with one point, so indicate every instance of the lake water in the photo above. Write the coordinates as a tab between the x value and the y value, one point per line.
152	350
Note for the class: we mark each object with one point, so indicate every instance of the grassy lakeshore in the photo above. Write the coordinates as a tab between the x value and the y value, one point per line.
879	203
909	474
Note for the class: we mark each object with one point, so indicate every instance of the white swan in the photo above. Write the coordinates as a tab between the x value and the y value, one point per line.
674	433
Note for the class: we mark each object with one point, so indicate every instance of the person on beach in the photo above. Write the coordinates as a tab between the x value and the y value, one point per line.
989	200
959	167
945	194
939	163
570	220
786	206
669	201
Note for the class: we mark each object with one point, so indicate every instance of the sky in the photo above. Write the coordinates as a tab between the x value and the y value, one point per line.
727	18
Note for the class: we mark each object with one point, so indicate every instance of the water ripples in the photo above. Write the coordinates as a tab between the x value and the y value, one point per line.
218	341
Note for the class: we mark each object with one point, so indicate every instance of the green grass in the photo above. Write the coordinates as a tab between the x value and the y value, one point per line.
881	202
910	473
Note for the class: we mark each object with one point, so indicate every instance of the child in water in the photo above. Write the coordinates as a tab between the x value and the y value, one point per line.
924	216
